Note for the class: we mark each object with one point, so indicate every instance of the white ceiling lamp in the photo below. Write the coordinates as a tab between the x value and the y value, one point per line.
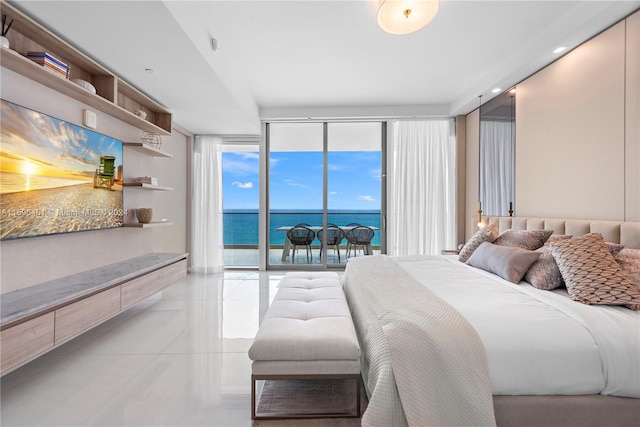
406	16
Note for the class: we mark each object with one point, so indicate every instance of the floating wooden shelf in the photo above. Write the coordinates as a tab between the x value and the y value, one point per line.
113	96
149	224
150	151
144	186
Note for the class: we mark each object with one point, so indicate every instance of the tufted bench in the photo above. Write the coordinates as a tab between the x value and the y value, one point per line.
307	334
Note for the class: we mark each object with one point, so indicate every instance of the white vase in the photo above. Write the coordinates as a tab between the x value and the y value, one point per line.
4	42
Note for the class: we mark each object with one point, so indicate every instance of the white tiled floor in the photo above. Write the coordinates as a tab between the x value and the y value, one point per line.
178	358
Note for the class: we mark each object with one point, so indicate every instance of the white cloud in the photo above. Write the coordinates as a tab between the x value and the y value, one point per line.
293	183
243	184
366	198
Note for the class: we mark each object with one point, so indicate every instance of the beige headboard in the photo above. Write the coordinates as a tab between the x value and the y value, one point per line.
626	233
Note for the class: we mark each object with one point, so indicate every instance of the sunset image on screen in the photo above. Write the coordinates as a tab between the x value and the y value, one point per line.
56	177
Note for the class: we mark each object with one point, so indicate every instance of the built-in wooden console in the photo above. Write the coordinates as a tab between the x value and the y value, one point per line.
37	319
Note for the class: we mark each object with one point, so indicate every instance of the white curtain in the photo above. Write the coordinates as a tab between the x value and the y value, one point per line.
497	146
206	206
422	187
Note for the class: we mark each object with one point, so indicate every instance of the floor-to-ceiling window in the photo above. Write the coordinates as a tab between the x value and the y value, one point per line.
324	192
241	198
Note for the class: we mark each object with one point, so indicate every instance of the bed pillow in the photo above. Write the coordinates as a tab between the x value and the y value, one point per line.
614	248
525	239
488	233
544	273
591	273
508	262
629	261
556	238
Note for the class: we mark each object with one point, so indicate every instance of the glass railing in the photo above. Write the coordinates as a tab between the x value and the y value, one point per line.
241	232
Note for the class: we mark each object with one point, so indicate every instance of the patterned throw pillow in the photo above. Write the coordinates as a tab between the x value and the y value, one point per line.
544	273
629	260
591	273
525	239
487	233
614	248
556	238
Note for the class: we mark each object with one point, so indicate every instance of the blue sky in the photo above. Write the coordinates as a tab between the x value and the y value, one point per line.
296	180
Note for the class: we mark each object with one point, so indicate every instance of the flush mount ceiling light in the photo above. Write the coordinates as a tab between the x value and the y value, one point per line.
406	16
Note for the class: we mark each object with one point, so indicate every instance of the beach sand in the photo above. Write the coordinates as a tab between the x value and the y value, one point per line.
60	210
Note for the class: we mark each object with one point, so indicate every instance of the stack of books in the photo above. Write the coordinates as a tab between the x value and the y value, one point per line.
50	62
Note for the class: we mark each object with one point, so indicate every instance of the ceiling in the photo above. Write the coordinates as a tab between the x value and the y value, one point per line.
319	59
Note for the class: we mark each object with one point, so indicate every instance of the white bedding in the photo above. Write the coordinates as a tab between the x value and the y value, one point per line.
538	342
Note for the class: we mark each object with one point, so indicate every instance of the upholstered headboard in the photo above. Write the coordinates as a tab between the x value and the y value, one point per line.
626	233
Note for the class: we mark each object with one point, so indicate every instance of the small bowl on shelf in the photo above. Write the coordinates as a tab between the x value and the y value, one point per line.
144	215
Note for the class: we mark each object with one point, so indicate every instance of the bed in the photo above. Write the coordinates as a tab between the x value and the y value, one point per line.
444	343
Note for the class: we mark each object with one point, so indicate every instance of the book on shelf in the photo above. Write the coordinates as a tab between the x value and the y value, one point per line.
147	180
50	62
47	55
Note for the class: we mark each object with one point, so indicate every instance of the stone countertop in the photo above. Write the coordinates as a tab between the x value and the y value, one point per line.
45	297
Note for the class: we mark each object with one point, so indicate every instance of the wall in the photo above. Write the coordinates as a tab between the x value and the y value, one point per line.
577	133
570	136
25	262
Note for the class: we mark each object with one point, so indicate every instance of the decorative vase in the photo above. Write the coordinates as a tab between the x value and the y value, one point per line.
4	42
144	215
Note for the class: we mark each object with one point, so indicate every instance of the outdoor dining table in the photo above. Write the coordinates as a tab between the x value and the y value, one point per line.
287	243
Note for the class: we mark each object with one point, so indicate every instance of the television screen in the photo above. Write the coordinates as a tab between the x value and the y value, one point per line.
56	177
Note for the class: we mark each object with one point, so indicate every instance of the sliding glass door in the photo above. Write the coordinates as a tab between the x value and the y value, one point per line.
324	192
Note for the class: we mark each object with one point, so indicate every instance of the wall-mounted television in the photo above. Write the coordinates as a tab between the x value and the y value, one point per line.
56	177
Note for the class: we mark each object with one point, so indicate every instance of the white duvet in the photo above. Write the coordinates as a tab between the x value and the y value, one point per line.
538	342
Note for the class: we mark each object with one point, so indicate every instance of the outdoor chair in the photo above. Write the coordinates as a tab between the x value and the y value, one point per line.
359	236
335	235
301	236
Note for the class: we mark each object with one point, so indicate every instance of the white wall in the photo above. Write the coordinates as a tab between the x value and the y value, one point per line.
25	262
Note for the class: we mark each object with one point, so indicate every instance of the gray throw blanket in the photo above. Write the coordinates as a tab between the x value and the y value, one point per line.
436	356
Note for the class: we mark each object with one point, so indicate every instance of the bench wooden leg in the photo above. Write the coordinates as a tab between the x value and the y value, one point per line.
255	416
253	397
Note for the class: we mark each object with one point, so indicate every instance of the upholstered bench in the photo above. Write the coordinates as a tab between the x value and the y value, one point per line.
307	334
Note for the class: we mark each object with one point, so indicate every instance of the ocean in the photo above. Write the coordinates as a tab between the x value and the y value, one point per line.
241	226
11	182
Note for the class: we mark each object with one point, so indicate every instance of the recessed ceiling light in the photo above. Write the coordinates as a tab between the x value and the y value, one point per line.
150	70
559	49
496	90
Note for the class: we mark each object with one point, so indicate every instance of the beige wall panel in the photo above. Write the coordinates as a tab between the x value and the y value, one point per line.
142	287
570	133
26	340
65	254
84	314
473	172
632	139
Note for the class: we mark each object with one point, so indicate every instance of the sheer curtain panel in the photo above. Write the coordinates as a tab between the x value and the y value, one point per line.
207	243
497	151
422	189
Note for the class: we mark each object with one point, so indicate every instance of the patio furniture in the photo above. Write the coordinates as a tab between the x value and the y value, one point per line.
334	237
359	236
301	235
